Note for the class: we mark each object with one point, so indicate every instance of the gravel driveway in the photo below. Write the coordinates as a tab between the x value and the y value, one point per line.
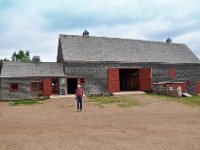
55	125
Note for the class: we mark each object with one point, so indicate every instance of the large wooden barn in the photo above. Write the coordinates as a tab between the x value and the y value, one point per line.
102	66
106	65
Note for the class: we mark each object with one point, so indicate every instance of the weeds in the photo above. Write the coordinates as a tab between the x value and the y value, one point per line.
192	101
123	102
28	101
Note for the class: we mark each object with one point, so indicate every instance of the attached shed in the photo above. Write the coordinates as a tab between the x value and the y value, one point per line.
30	80
108	65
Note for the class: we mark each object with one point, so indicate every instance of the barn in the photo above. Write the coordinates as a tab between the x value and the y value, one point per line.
105	65
102	66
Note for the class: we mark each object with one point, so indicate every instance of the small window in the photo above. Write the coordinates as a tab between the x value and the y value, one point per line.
37	87
172	73
40	86
82	81
14	87
34	86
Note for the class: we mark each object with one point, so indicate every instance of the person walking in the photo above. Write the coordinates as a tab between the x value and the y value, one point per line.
79	97
179	91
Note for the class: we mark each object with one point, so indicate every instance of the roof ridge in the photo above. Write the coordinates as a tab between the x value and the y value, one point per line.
117	38
13	62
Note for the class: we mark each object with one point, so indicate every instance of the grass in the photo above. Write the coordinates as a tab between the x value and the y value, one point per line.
123	102
192	101
28	101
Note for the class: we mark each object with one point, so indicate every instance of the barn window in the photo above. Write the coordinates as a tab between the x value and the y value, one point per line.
82	81
37	87
14	87
172	73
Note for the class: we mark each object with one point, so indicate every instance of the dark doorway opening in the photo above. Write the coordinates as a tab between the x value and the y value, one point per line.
55	86
129	79
71	85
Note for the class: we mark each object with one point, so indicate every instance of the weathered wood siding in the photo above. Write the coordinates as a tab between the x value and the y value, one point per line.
24	89
96	74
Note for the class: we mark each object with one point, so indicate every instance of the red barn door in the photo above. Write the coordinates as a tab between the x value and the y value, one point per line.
198	87
47	87
145	79
113	80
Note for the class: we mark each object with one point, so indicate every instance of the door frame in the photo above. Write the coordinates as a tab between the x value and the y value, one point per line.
114	80
58	87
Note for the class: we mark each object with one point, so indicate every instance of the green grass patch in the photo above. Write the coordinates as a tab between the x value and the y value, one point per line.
23	102
192	101
28	101
121	101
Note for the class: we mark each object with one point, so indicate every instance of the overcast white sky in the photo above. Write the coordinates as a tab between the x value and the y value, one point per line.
35	25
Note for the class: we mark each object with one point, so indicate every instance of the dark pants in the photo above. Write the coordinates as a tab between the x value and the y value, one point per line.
79	103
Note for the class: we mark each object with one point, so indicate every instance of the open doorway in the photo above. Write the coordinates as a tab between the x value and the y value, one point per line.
55	86
71	85
129	79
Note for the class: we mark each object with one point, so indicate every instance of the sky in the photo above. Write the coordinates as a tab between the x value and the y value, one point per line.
35	25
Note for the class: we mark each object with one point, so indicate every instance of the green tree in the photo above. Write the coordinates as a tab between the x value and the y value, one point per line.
2	60
21	56
14	56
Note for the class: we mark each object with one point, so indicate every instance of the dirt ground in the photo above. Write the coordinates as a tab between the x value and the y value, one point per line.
55	125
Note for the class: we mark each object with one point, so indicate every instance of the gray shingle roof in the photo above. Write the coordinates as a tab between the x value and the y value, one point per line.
43	69
78	48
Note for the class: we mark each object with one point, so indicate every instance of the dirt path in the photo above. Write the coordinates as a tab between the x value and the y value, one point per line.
55	125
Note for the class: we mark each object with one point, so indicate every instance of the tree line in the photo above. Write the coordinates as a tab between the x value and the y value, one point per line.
20	56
